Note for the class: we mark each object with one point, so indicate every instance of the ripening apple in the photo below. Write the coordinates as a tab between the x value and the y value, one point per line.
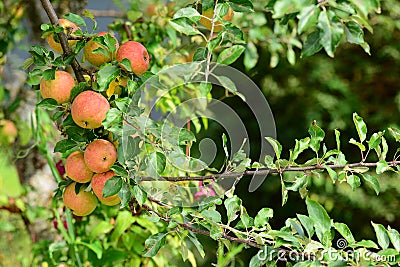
100	155
89	109
76	169
98	58
208	14
68	26
8	131
60	88
137	54
81	204
98	182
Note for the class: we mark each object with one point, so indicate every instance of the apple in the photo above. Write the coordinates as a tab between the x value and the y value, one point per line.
137	54
89	109
208	14
98	182
100	155
8	131
98	58
60	88
76	169
67	25
81	204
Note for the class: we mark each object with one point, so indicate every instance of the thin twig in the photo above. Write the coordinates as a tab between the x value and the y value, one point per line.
63	39
265	171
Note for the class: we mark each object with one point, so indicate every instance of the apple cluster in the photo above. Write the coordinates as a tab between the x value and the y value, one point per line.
91	165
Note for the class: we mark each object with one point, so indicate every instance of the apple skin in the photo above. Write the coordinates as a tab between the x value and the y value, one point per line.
98	182
81	204
98	59
60	88
100	155
89	109
76	169
217	25
57	46
8	131
137	55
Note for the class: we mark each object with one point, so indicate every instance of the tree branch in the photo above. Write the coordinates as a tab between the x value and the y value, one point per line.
63	39
285	252
265	171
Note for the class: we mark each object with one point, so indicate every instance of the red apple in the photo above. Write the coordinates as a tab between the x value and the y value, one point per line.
8	132
100	155
137	54
98	182
59	88
81	204
76	168
89	109
67	25
98	58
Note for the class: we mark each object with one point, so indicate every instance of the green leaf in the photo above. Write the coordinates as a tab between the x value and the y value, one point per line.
344	230
103	227
227	83
372	181
317	136
112	186
232	206
122	222
106	75
382	235
64	145
184	26
78	20
395	133
94	246
318	215
275	145
154	243
308	17
200	54
263	216
188	12
250	56
375	140
230	55
331	173
197	244
299	147
366	6
49	74
139	194
212	215
113	118
120	171
354	33
360	126
307	223
331	31
366	244
382	166
48	104
134	15
312	44
394	238
241	5
360	146
354	181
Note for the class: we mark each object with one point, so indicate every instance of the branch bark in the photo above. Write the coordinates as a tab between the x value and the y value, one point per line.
265	171
63	39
